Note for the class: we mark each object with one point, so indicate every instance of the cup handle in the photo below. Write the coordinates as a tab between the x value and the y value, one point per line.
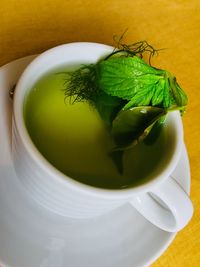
167	206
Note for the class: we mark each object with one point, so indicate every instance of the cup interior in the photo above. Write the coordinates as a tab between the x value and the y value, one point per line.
166	153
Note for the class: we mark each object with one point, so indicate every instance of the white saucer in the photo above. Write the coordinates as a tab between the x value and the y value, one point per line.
31	236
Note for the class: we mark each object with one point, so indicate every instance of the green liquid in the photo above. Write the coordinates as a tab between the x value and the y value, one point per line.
74	139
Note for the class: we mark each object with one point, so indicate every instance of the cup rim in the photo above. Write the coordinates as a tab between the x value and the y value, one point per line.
57	175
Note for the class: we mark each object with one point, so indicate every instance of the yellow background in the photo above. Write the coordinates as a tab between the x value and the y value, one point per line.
32	26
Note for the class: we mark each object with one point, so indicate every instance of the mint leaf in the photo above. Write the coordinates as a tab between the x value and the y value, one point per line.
149	94
124	77
155	131
180	96
167	98
133	125
130	78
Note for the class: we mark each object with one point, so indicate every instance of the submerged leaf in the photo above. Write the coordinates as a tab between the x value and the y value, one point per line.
117	157
133	125
155	131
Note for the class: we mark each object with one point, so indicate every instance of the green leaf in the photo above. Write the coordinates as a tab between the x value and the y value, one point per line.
133	125
155	131
124	77
180	96
132	79
167	98
141	98
157	94
157	97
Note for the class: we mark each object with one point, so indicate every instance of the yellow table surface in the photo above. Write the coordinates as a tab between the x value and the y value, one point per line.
32	26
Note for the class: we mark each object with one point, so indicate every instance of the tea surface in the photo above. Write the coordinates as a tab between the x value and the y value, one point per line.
74	139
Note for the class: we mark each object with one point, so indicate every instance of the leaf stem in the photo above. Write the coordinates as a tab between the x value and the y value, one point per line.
175	108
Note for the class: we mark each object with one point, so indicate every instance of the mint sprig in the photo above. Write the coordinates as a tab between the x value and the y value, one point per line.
132	79
131	97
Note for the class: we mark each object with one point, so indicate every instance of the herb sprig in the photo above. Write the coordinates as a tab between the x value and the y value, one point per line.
131	96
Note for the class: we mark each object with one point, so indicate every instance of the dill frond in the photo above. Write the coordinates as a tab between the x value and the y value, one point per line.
135	49
81	85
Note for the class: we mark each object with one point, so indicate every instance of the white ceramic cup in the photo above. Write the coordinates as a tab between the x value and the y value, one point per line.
160	200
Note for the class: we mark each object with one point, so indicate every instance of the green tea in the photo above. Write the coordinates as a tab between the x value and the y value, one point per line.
74	139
